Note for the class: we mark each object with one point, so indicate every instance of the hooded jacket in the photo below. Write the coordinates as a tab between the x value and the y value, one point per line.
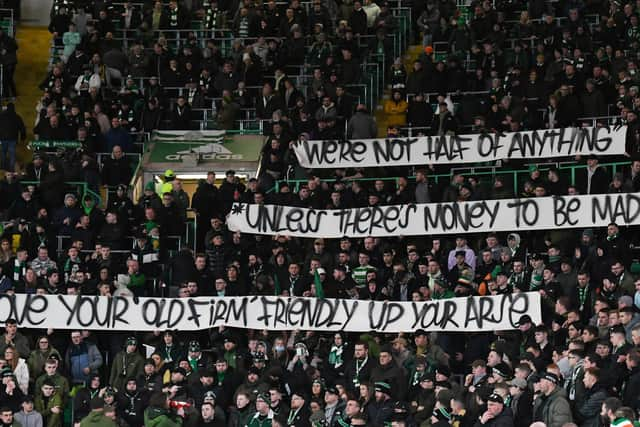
125	365
32	419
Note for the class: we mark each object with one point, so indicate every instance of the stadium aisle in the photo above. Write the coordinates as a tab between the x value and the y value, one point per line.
33	54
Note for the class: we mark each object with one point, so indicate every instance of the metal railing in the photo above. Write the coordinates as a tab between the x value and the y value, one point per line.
566	168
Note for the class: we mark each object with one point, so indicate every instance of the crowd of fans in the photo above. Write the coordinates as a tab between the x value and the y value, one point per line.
570	59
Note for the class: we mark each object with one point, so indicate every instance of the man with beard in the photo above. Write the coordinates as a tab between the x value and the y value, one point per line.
299	414
551	407
252	386
360	367
380	412
205	385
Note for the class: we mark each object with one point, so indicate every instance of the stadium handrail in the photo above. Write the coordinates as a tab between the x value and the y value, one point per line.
515	174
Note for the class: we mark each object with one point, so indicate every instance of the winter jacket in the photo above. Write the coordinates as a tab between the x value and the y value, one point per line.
261	421
392	375
131	407
362	126
60	382
80	357
116	171
396	112
32	419
216	259
97	419
504	419
157	417
631	395
49	418
125	365
553	410
522	407
240	418
11	125
588	413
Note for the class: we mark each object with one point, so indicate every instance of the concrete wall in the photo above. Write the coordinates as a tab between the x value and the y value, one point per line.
36	12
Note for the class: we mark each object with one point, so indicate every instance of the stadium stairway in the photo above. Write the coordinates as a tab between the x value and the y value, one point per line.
33	56
412	53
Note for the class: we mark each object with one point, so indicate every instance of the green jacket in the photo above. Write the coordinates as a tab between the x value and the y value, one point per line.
49	419
97	419
156	417
434	354
125	365
61	383
36	361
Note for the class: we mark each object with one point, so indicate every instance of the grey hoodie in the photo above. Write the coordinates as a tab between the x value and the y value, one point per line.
32	419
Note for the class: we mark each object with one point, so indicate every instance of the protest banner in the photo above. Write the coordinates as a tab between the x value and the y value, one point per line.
541	213
488	313
452	149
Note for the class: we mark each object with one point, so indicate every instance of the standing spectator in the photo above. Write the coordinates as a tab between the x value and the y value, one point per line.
126	364
83	358
116	168
593	179
49	404
362	125
11	130
9	61
589	409
118	135
396	110
551	406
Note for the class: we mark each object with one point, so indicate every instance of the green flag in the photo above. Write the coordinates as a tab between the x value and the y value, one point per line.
276	285
318	284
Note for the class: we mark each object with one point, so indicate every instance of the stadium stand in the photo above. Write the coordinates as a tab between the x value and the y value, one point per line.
159	120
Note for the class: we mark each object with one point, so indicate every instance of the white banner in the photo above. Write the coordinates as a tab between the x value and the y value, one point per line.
490	313
438	218
539	144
